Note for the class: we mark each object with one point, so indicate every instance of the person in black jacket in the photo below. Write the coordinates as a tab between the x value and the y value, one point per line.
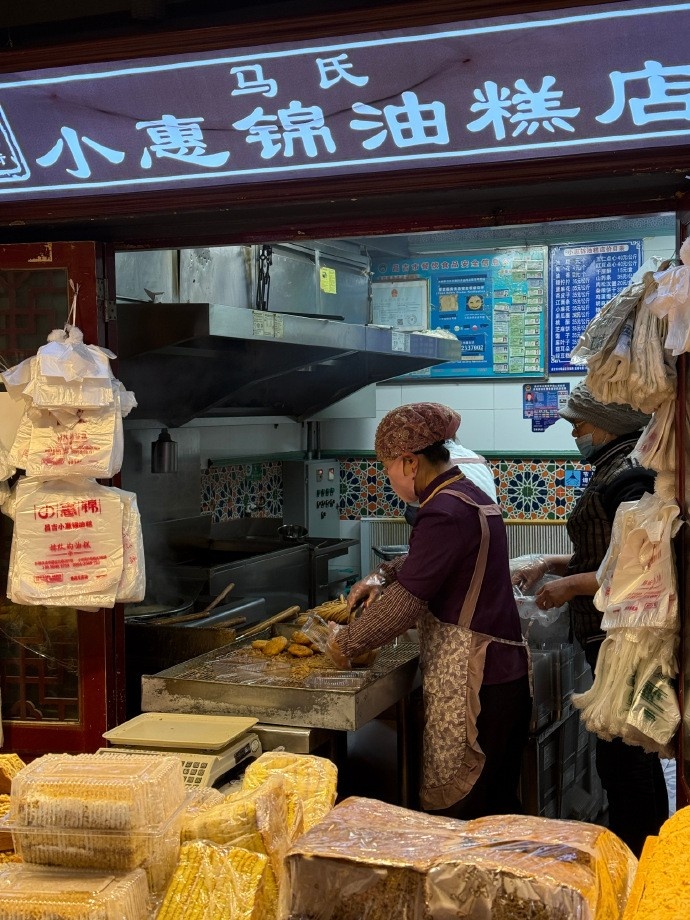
605	435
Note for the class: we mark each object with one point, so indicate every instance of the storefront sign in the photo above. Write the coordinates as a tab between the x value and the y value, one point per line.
541	85
582	278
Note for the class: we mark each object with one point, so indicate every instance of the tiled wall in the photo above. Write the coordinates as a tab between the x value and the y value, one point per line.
528	490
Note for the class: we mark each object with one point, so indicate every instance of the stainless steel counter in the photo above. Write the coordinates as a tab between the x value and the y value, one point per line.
213	683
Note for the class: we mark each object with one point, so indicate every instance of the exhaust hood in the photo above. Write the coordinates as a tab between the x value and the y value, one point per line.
193	360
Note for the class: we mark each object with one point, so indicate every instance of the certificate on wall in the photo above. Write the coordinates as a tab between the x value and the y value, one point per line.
401	305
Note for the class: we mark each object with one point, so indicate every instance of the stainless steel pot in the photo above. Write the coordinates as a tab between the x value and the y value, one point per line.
292	532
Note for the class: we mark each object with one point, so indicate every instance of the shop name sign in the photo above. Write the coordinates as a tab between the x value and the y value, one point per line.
589	80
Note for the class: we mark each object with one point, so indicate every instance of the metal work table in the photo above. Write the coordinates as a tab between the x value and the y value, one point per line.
214	683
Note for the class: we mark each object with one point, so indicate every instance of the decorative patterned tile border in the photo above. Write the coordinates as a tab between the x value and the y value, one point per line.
229	491
528	490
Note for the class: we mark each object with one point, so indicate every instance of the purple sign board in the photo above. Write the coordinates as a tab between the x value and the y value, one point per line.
588	80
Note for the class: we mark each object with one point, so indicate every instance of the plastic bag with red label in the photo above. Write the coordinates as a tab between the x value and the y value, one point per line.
88	443
67	546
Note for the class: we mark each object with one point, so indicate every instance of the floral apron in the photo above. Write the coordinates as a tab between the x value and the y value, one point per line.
452	658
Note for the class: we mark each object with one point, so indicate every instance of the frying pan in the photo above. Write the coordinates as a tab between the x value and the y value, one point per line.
148	610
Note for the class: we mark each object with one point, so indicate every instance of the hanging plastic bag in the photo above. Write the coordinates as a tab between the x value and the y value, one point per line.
67	543
19	452
604	329
7	469
654	714
637	576
656	446
671	299
92	446
132	586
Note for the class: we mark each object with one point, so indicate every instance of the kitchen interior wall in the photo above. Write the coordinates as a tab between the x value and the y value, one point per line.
240	458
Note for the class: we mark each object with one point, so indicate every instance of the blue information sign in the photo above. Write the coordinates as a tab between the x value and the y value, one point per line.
541	402
492	301
582	278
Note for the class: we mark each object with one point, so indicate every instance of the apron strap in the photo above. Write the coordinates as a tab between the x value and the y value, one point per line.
470	604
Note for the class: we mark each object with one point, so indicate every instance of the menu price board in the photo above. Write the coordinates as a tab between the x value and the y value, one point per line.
583	277
492	301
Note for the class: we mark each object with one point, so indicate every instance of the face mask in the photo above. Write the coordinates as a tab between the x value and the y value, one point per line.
402	483
585	445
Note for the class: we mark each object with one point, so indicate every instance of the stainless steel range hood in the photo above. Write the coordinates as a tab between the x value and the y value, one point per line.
192	360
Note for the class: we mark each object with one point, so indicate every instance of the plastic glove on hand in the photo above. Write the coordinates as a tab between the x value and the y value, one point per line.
333	649
365	660
525	571
366	591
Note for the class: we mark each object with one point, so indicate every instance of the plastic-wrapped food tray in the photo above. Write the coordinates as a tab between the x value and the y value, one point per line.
155	849
337	680
40	893
87	791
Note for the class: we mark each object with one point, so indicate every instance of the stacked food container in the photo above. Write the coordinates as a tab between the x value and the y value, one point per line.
93	832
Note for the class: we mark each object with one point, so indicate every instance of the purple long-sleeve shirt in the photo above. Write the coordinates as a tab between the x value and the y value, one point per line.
436	573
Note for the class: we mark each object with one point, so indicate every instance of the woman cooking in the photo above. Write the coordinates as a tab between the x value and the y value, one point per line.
454	585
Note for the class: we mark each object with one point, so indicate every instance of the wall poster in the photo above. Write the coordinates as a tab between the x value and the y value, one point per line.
542	402
493	302
582	278
402	305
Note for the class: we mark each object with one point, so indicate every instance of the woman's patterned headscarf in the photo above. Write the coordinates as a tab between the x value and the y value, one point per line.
411	428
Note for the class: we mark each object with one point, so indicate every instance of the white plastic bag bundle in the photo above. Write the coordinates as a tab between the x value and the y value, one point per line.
604	330
632	696
648	379
671	299
637	581
73	420
90	444
67	547
132	586
656	447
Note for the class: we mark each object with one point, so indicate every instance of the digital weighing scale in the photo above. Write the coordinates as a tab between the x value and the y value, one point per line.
208	746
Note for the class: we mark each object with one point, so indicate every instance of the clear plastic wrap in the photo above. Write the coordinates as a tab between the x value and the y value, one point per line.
314	780
118	792
212	882
254	820
40	893
369	860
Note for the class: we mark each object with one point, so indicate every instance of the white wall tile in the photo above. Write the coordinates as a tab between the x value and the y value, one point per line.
513	433
388	396
477	430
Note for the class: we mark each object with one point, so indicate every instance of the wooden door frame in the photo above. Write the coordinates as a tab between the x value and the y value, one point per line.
100	635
